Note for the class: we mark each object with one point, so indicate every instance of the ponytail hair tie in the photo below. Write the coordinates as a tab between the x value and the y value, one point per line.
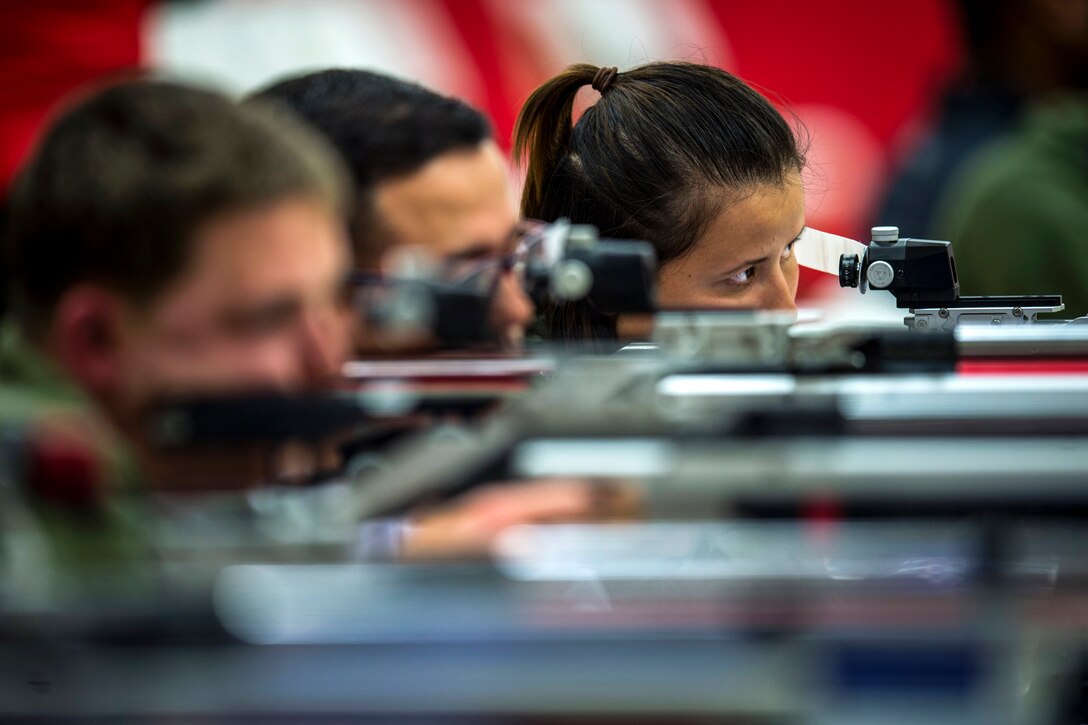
602	81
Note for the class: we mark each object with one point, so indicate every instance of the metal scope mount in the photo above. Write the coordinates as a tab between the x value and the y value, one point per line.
921	274
615	275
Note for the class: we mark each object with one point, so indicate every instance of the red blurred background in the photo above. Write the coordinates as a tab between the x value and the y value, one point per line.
859	75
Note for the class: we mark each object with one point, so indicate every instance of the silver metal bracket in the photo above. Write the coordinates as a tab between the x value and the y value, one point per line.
948	318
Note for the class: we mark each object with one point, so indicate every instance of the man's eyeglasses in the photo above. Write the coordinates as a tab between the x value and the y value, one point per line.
530	243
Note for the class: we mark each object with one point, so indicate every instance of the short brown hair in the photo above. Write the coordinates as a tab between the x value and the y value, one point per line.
122	180
385	128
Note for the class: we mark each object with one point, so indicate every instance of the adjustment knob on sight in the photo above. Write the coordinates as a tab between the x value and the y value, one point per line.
572	280
880	275
885	235
849	270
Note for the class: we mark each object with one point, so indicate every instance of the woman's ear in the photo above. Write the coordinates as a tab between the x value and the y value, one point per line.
85	337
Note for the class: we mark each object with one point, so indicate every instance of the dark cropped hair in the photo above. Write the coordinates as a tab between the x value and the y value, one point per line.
656	158
121	182
383	127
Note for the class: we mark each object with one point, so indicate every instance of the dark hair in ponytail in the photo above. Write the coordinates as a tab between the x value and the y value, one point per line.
656	158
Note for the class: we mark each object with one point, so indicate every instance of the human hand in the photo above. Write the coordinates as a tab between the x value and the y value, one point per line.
466	527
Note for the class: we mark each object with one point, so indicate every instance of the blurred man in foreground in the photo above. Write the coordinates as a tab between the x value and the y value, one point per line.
165	242
428	175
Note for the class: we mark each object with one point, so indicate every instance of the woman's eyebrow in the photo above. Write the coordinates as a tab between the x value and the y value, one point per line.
754	262
744	265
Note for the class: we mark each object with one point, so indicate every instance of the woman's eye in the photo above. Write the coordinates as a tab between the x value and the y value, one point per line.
788	251
743	277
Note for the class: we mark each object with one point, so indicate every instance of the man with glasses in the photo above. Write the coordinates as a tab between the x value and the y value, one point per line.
428	177
166	242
